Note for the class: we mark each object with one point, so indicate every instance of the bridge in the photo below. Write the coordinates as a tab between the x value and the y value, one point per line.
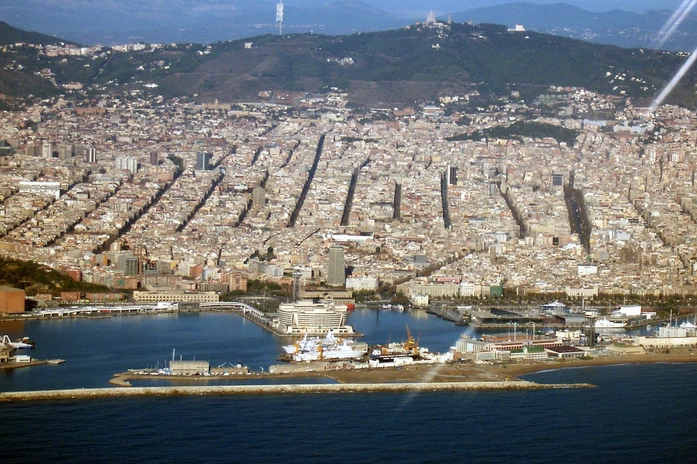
244	308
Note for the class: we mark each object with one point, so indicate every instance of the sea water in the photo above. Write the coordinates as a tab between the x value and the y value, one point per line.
637	413
96	349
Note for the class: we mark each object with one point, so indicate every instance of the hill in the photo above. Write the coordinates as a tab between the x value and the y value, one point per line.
616	27
396	67
420	64
12	35
35	278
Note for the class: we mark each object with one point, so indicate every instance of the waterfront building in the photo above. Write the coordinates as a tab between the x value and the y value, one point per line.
336	271
128	265
6	352
337	296
362	283
189	367
11	300
471	345
175	297
307	317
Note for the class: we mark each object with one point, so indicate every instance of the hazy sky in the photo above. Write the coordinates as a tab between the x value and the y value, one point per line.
115	21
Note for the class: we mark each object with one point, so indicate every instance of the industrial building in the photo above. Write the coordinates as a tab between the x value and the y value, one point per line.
189	367
6	352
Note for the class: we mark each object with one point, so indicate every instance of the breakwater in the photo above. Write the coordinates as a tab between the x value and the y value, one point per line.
289	389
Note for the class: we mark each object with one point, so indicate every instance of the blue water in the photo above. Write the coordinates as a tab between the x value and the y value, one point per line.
637	413
96	349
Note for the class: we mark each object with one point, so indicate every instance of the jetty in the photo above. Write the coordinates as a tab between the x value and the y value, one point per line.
34	362
288	389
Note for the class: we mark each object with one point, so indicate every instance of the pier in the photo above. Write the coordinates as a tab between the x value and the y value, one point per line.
249	312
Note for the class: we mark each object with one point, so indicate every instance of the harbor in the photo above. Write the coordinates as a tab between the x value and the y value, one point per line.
232	337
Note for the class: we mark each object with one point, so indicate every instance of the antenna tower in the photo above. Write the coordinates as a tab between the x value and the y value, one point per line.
279	16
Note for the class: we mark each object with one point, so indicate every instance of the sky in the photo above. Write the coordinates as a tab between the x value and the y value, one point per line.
117	21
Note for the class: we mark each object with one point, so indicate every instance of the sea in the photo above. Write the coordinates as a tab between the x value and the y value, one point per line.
636	413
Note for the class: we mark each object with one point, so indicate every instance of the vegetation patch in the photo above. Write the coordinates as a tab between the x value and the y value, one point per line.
520	129
35	278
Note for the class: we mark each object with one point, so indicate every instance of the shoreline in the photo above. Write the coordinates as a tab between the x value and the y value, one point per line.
429	373
10	365
457	377
680	357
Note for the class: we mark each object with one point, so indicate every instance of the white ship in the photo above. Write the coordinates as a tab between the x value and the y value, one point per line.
17	344
608	324
328	348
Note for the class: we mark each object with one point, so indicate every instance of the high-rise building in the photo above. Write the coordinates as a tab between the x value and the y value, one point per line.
336	272
127	163
90	155
203	160
452	175
258	197
65	151
47	149
154	158
128	265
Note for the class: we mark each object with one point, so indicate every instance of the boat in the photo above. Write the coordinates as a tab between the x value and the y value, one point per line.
20	343
605	323
328	348
394	352
690	325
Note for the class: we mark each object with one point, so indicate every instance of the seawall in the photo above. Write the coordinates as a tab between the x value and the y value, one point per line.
92	393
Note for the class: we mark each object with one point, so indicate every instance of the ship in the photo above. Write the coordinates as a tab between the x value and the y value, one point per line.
608	324
18	344
328	348
396	352
689	325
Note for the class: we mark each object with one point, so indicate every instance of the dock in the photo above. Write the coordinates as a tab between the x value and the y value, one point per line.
35	362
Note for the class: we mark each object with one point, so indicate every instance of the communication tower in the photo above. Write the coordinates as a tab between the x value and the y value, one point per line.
279	16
